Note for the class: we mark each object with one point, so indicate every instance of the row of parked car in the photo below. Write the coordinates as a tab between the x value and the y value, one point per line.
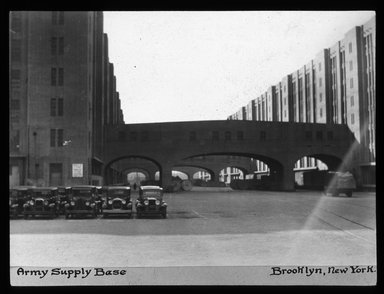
85	200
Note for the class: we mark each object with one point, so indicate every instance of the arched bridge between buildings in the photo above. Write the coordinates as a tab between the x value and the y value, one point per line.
278	144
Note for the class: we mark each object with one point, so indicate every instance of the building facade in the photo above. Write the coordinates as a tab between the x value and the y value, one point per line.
62	93
337	87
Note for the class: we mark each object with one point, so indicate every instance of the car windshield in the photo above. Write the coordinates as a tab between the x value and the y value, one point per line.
41	194
118	193
152	193
82	193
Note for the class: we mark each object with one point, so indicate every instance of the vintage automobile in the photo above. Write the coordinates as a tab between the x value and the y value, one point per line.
43	201
150	202
117	201
82	201
340	183
17	197
64	197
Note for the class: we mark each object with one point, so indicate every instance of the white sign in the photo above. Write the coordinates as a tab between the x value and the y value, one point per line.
77	170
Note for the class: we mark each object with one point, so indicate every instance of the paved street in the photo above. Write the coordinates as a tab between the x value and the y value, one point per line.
210	227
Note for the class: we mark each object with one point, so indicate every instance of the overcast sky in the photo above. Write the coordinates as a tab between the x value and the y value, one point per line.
183	66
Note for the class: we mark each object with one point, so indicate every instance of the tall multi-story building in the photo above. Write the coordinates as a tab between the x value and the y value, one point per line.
337	87
62	93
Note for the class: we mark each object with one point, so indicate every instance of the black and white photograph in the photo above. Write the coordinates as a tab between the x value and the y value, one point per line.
192	148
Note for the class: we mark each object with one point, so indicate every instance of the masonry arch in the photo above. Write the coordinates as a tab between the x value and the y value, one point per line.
310	170
118	164
275	167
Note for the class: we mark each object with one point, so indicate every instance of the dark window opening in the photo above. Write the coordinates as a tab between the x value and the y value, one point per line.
133	136
227	136
263	135
192	136
240	135
144	136
61	76
53	106
215	136
60	135
308	135
121	136
61	46
60	107
319	135
53	137
53	76
53	45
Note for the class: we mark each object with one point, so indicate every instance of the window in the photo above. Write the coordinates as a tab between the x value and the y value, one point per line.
16	50
121	136
15	104
321	112
144	136
351	65
330	135
16	21
263	136
319	66
351	82
60	107
53	106
350	47
53	137
352	101
285	88
352	118
308	135
61	76
53	45
192	136
240	135
15	74
57	17
61	46
227	136
319	135
215	136
53	76
321	97
133	136
61	17
320	82
285	113
60	135
285	101
54	17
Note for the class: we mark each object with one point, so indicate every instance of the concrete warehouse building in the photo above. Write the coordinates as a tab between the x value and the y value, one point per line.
62	92
337	87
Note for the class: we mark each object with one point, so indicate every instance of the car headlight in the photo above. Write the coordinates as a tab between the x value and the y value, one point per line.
73	203
110	202
157	202
45	202
123	201
146	202
31	202
87	203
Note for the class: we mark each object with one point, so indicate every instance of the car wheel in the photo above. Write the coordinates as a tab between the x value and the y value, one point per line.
164	215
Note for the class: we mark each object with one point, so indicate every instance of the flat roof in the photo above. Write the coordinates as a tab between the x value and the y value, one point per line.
150	187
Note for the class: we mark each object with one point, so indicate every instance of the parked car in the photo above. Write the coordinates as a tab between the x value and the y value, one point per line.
17	197
117	200
340	182
64	197
150	202
43	201
82	201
